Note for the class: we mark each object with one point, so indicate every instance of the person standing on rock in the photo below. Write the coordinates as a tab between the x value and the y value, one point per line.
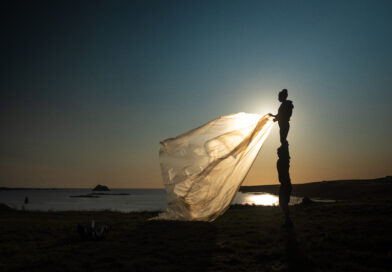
283	164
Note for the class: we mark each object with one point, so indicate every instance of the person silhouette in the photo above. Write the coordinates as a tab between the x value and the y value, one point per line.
283	164
284	113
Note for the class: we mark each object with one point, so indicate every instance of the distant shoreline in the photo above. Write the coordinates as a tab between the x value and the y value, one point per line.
336	189
27	188
379	188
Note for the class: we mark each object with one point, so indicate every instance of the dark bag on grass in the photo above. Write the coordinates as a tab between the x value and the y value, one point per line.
92	231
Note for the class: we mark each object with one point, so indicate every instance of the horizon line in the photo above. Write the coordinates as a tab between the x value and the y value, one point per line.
144	188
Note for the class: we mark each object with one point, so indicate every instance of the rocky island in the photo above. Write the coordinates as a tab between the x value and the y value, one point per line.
101	188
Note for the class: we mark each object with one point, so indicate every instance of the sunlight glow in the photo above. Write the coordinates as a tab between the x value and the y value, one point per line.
264	200
246	120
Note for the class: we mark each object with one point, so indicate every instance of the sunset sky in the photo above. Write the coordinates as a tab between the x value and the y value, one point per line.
90	88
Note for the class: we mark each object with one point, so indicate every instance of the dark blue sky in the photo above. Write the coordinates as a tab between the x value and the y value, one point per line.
89	88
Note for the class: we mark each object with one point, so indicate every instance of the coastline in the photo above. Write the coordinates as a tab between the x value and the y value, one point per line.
336	189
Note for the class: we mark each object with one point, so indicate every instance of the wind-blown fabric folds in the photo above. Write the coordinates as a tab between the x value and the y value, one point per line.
203	169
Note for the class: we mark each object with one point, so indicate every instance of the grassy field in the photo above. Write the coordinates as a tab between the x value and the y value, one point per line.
342	236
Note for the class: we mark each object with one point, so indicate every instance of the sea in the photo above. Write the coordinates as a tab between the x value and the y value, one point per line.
121	200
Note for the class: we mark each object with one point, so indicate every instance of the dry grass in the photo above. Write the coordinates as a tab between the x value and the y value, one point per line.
343	236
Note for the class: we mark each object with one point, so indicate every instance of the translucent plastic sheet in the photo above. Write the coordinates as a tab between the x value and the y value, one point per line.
203	169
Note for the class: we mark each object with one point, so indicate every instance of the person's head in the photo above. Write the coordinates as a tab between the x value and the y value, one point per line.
283	95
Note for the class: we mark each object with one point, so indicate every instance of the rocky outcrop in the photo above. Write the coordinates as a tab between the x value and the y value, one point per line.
100	187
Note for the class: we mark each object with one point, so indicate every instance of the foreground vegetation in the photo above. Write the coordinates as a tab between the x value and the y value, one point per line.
342	236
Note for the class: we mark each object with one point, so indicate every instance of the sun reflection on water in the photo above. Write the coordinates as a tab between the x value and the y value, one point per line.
260	199
264	200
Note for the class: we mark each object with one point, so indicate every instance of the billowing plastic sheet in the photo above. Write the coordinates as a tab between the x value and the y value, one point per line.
203	169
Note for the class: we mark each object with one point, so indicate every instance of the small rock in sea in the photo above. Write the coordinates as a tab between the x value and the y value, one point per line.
100	187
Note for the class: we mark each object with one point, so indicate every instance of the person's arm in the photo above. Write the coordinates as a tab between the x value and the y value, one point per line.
275	116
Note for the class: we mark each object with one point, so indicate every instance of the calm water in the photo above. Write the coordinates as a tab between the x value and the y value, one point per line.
137	200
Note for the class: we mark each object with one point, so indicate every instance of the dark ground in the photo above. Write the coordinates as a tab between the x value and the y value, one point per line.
349	235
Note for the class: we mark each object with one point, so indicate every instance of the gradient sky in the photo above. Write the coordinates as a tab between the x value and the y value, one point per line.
89	88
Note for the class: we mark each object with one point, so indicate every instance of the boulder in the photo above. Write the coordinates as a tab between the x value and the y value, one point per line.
100	187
